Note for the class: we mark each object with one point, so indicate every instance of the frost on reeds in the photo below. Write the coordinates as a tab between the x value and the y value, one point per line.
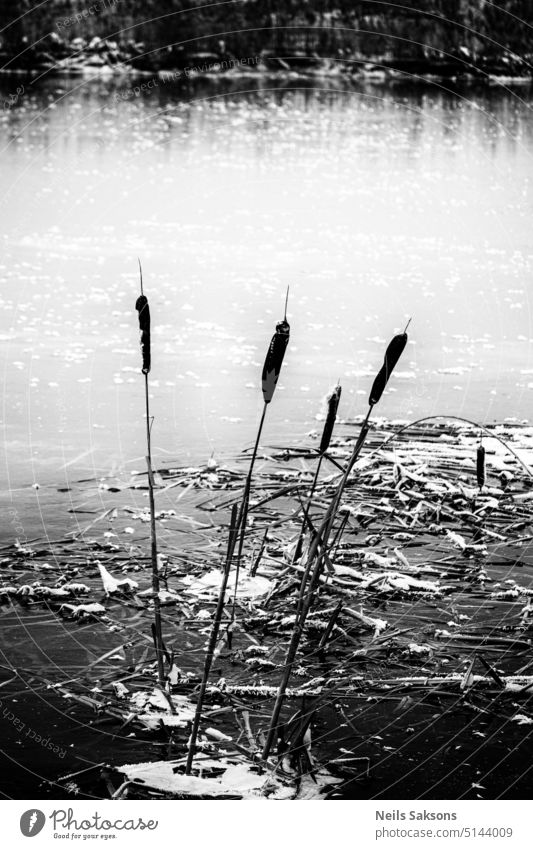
319	551
112	585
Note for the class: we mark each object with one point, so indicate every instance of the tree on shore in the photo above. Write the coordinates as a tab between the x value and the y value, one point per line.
406	28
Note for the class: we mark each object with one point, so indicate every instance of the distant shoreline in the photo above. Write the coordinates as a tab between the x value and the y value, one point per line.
365	75
103	58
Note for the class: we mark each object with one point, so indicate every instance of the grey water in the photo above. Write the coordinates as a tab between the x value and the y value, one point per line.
375	203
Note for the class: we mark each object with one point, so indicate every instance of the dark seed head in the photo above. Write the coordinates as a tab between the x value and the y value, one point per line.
274	359
333	403
480	466
392	355
141	305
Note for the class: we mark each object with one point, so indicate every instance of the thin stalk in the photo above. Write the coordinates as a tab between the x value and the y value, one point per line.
289	662
255	566
212	643
330	626
243	513
322	536
326	527
338	536
353	459
299	544
303	585
153	539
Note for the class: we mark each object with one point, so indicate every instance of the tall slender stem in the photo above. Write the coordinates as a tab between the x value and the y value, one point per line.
210	653
153	539
207	668
321	538
243	514
299	544
355	454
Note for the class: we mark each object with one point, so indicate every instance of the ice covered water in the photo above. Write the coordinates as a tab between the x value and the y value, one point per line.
374	203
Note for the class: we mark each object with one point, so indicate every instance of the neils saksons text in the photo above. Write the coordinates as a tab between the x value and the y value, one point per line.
415	815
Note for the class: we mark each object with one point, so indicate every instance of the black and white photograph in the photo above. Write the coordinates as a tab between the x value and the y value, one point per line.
266	348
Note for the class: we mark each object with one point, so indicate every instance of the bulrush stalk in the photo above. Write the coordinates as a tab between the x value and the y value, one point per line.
329	424
210	653
319	545
392	355
144	325
271	372
330	626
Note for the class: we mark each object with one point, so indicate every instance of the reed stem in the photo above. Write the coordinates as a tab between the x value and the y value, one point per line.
212	642
330	626
243	513
321	538
153	539
299	544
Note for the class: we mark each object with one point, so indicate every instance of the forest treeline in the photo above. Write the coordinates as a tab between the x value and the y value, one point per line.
170	31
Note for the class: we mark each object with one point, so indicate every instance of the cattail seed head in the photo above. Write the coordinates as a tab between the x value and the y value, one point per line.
274	359
333	403
392	355
480	466
141	305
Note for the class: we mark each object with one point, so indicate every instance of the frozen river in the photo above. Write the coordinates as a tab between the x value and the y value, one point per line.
374	203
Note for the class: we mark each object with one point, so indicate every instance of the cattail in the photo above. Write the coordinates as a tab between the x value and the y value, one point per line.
271	371
480	466
321	537
333	403
274	357
141	305
392	355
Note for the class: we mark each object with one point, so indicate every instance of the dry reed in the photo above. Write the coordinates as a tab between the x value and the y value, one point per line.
213	637
318	549
143	309
270	375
